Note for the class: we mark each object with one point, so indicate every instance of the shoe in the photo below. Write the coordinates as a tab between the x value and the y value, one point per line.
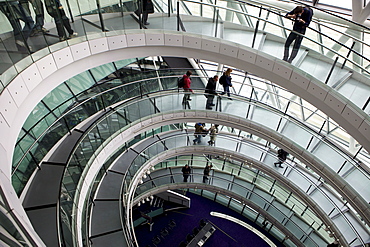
209	108
72	35
275	164
230	98
146	23
281	166
63	38
194	143
212	104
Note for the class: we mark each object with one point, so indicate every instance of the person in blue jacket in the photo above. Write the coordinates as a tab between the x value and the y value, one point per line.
302	17
225	81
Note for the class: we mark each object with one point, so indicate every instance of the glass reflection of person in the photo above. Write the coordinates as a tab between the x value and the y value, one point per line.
15	13
38	8
302	17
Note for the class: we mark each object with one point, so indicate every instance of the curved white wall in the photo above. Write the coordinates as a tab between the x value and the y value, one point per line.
30	86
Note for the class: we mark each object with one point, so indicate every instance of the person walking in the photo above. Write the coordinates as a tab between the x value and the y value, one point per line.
55	10
282	155
302	17
15	13
199	131
186	172
211	91
213	131
38	8
225	81
186	86
206	172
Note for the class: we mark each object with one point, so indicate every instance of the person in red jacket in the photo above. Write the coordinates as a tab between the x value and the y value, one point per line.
187	89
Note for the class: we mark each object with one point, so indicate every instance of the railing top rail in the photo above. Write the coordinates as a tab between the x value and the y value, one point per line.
304	36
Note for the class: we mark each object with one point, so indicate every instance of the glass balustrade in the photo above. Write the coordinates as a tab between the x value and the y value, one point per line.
330	36
130	112
227	144
299	224
127	180
50	121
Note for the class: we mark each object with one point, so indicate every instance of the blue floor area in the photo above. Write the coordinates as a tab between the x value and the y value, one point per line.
227	234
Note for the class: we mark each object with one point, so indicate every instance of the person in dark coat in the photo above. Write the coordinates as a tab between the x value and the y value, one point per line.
55	10
211	91
282	155
225	80
145	7
302	17
206	172
186	172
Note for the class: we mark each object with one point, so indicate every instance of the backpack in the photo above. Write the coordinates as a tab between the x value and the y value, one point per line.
180	82
222	80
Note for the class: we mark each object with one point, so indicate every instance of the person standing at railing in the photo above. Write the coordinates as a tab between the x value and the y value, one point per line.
211	91
15	13
213	131
302	17
200	130
186	86
206	172
225	81
145	7
186	172
55	10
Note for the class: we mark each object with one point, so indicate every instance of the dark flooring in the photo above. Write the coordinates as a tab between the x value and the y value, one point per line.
227	234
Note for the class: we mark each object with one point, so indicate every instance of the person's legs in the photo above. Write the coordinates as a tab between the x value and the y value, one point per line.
186	95
14	21
224	90
67	24
145	18
210	101
39	18
279	162
58	21
28	21
288	42
197	139
297	44
227	88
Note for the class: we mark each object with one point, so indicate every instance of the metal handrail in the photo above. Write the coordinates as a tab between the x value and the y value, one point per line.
293	166
285	28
